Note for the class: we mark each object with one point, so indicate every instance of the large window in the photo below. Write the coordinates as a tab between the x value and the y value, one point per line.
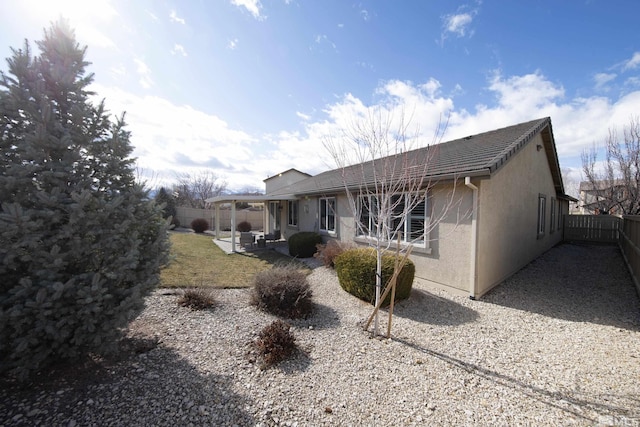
328	214
542	207
410	225
292	217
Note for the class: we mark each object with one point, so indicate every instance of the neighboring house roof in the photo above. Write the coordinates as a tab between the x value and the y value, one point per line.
602	185
286	172
476	156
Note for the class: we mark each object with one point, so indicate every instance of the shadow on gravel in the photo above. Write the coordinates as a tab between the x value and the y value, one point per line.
425	307
579	283
558	399
157	387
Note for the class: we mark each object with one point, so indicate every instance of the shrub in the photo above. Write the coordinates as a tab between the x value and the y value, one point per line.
303	244
244	226
199	225
197	299
275	343
81	243
327	253
283	291
356	269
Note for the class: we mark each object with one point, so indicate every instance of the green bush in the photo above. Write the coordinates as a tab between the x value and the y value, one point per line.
199	225
243	226
81	243
356	270
303	244
275	343
283	291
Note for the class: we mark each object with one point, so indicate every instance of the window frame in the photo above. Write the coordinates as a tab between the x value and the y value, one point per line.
410	220
552	216
542	208
327	213
293	213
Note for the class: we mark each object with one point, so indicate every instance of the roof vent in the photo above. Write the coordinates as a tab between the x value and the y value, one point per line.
466	138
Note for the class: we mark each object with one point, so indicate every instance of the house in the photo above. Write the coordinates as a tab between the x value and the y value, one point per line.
509	206
603	197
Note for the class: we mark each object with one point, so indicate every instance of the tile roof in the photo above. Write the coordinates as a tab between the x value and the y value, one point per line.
475	155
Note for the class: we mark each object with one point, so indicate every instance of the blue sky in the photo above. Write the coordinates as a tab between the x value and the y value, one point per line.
250	88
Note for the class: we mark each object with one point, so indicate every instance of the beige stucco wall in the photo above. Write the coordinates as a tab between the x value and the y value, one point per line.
283	179
447	264
508	216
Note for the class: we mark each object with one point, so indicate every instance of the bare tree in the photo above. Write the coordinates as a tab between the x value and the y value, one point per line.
387	183
613	185
193	190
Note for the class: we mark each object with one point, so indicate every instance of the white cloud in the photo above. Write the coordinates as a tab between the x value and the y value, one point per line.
457	24
233	44
632	63
169	138
322	39
145	73
173	16
253	6
601	79
178	49
365	14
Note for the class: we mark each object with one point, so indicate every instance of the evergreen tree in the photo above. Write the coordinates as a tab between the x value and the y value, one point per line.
167	202
80	243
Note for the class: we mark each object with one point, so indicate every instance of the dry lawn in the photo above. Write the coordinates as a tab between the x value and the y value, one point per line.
197	262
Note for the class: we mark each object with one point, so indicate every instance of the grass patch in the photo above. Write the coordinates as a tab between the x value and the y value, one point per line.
197	262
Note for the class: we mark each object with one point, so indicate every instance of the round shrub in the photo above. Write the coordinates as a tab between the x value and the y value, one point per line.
283	291
303	244
244	226
199	225
356	270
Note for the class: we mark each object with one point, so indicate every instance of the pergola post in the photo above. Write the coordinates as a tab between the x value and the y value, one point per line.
217	220
233	225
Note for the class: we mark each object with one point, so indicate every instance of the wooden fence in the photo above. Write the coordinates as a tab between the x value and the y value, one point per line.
630	246
592	228
186	215
625	232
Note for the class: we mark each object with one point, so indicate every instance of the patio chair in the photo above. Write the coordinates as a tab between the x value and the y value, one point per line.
247	238
275	235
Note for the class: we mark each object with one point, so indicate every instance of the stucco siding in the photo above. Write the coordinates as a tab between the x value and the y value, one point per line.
447	262
508	216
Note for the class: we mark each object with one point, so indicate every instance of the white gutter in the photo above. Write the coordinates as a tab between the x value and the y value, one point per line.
474	239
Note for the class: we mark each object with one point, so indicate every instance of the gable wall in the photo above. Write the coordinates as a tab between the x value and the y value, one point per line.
508	216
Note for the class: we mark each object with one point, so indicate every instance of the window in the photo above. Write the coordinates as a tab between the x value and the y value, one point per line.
328	214
542	205
410	226
292	217
552	215
559	216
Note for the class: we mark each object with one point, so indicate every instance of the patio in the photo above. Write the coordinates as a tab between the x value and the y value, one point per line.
281	246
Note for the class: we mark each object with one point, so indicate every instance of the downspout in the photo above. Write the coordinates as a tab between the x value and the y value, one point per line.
474	239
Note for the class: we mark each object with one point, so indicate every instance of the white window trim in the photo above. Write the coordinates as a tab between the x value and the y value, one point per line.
542	207
293	213
422	246
552	215
326	214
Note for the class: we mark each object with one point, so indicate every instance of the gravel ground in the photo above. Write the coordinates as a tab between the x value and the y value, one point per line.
557	344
